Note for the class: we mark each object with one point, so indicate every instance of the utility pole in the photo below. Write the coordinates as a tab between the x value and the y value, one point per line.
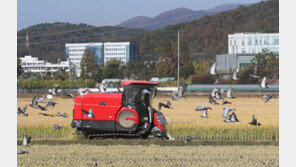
178	57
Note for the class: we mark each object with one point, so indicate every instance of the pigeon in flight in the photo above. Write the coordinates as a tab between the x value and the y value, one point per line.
226	102
70	95
189	138
41	100
89	113
202	108
51	104
174	96
222	91
45	114
167	105
264	83
267	97
227	119
254	121
22	112
55	90
213	69
182	89
218	95
229	93
234	75
226	111
102	87
62	114
255	73
212	101
22	151
102	103
56	127
233	117
214	91
26	140
205	114
41	108
34	103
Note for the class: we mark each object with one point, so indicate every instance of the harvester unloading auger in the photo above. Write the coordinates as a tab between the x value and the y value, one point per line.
128	112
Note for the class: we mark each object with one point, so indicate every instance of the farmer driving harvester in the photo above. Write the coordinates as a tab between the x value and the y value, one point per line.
127	112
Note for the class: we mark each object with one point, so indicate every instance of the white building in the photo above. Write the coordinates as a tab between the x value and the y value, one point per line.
252	43
74	53
124	51
32	64
103	52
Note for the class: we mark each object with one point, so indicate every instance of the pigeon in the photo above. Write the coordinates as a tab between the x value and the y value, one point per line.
263	83
254	76
202	108
226	111
213	94
89	113
222	91
22	112
212	101
70	95
213	69
267	97
205	114
103	87
229	93
41	108
56	127
22	151
234	75
226	102
102	103
233	117
168	105
26	140
51	104
218	96
41	100
182	89
86	91
228	119
44	114
34	103
55	90
62	114
189	138
174	96
254	121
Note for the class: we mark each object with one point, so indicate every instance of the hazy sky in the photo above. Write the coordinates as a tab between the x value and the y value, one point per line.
102	12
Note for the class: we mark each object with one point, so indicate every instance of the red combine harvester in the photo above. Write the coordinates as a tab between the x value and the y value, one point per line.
128	112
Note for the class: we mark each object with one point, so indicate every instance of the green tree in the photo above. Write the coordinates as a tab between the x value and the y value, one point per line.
88	63
113	69
186	66
167	65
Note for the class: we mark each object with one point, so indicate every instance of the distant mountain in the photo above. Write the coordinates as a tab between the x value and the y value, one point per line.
172	17
225	7
47	40
208	35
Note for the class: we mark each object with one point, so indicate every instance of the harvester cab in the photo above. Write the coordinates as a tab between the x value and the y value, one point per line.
127	112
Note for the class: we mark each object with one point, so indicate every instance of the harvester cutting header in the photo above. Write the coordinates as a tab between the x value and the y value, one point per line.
127	112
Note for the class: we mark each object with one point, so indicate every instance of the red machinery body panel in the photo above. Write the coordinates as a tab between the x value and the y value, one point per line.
102	112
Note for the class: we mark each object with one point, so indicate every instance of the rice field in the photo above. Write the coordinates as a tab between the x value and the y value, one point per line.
152	155
183	120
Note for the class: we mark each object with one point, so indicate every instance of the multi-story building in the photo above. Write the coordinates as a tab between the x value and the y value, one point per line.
243	47
103	52
32	64
74	53
124	51
252	43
